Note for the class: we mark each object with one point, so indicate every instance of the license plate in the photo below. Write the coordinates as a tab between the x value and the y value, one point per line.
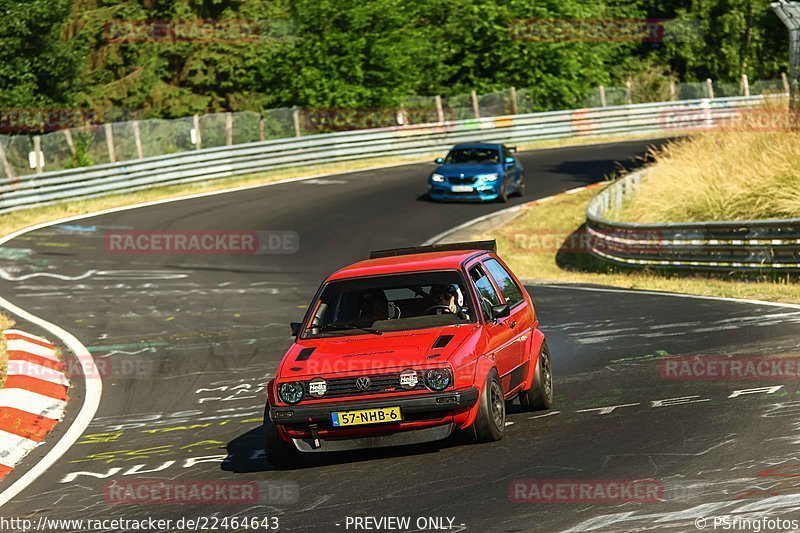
366	416
462	188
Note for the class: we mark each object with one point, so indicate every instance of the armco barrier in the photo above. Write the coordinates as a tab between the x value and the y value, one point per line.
746	246
215	163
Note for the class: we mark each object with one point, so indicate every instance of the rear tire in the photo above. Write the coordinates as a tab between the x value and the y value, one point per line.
503	196
521	186
280	454
540	394
491	420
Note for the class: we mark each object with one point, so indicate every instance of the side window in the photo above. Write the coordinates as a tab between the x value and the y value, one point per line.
488	296
510	289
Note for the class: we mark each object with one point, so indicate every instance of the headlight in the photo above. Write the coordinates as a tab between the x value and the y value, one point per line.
438	378
317	387
291	393
409	379
488	177
438	178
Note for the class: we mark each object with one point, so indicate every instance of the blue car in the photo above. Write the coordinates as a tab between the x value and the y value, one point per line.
477	172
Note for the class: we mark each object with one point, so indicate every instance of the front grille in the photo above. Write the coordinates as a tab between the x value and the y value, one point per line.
454	180
379	383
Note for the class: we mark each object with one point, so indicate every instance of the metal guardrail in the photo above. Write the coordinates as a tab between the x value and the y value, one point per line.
216	163
744	246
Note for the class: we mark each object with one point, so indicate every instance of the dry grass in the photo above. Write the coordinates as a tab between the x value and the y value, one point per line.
6	322
721	175
530	244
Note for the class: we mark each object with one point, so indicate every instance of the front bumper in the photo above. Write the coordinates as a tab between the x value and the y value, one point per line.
433	403
482	193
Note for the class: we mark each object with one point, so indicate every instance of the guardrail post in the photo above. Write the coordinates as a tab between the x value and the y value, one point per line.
475	109
629	91
70	143
439	108
9	171
112	158
602	90
137	139
745	85
37	154
513	100
229	129
710	88
261	135
296	119
198	142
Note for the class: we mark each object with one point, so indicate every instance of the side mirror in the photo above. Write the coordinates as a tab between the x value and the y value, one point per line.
501	311
295	328
438	160
510	161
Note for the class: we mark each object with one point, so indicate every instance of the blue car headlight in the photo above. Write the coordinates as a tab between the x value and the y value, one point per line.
437	178
488	177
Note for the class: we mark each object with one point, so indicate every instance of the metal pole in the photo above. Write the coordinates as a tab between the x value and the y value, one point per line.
745	85
475	109
37	153
70	143
229	129
137	138
296	119
513	100
261	134
110	142
439	108
710	88
6	165
602	89
197	140
789	13
629	91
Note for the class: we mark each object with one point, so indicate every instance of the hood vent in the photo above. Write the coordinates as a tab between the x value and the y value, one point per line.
442	341
304	354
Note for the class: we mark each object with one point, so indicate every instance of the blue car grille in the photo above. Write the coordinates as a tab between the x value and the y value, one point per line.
455	180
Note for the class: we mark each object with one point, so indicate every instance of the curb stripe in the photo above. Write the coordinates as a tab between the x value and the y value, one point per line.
21	335
45	388
24	345
25	424
36	359
33	403
18	367
13	448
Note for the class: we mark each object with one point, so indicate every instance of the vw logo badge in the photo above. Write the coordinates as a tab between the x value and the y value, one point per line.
362	383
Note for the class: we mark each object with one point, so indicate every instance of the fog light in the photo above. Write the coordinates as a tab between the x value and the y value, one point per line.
438	379
409	379
317	387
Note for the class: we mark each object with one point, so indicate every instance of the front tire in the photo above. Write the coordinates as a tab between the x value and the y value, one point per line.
540	394
503	196
491	420
521	186
280	454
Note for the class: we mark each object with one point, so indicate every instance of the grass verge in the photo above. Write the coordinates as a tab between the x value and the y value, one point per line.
543	243
6	322
720	175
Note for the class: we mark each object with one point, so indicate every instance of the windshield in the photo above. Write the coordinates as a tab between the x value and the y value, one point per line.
486	156
391	303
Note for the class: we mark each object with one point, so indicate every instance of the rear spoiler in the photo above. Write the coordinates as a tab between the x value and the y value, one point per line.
489	246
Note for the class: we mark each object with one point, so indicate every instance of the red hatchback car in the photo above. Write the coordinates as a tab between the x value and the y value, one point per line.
407	347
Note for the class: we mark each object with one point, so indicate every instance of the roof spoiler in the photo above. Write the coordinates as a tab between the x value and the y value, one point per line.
489	246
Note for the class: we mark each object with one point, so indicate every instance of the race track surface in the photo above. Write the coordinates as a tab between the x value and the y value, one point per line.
191	340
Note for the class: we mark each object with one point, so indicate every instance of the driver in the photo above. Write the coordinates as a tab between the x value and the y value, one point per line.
450	298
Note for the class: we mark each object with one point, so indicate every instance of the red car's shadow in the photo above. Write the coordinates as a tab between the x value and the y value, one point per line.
246	452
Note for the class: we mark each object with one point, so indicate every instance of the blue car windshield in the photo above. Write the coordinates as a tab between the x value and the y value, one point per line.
485	156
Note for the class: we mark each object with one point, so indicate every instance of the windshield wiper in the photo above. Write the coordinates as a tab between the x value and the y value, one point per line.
351	326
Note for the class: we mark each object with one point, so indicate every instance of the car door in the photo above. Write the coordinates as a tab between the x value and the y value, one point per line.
499	336
511	171
519	322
